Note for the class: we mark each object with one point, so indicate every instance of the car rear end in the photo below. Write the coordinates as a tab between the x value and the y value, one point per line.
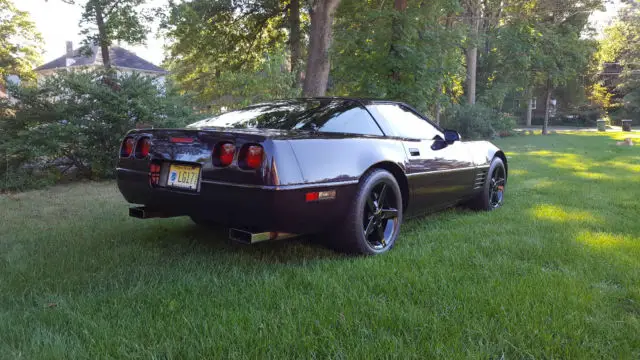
240	178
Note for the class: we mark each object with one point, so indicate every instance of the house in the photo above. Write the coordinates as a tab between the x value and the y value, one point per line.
124	61
4	92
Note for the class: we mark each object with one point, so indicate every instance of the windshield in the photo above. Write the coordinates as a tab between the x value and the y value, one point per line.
324	115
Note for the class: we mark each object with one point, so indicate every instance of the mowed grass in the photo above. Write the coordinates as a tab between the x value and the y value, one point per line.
555	273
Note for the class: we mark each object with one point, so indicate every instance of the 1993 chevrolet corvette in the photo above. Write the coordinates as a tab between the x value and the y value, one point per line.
352	169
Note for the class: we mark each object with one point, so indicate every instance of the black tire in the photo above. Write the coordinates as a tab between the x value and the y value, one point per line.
373	222
492	195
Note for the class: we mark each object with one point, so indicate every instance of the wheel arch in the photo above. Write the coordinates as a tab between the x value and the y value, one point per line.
503	157
400	177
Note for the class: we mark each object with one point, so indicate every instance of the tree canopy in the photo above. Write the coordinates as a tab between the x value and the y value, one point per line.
20	42
104	22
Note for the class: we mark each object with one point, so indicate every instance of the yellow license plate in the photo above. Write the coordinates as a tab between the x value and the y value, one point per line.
183	176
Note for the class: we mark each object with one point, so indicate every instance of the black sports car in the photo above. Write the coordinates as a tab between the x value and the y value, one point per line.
349	168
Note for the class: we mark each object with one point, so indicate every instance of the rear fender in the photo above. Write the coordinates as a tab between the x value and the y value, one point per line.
344	160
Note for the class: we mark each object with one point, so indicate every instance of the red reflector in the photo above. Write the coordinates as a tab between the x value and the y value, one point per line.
154	174
143	147
321	195
254	156
181	140
312	196
127	147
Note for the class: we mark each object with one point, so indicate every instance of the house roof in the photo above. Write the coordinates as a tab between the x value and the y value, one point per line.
120	57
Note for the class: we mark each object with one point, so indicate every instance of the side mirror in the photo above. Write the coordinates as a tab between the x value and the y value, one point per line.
451	136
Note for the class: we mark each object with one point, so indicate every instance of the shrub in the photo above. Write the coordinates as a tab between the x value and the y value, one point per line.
75	122
478	121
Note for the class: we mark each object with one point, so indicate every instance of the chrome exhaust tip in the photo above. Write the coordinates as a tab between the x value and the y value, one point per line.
248	237
143	212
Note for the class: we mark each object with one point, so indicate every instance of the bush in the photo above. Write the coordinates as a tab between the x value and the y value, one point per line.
478	121
74	122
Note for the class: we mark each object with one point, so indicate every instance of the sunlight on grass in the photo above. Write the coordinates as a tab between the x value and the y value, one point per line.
536	183
557	214
593	175
604	240
518	172
570	161
623	166
541	153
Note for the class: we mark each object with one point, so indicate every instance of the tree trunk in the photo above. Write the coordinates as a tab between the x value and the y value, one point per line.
473	16
438	109
102	36
295	42
317	73
472	67
529	111
397	28
547	110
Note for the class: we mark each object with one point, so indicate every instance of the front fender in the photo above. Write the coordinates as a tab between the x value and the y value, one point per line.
483	152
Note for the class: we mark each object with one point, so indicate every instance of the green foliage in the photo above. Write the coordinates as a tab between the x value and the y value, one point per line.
20	43
74	120
123	21
425	56
621	44
217	45
477	121
242	88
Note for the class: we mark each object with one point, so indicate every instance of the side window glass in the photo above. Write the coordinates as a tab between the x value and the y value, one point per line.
404	123
353	121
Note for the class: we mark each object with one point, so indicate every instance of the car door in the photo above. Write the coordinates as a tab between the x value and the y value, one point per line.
439	174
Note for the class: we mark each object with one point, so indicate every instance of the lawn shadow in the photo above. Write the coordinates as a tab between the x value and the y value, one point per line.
187	238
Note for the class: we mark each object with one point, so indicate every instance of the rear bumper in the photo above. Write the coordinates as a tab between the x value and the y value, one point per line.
252	207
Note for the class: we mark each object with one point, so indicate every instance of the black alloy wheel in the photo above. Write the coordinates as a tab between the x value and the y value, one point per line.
497	186
373	222
380	216
492	195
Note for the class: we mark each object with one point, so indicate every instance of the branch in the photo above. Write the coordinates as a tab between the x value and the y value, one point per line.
113	6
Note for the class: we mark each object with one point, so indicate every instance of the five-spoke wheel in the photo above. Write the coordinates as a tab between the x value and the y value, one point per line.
380	216
492	196
373	222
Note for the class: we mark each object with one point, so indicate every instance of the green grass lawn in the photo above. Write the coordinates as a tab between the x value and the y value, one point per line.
555	273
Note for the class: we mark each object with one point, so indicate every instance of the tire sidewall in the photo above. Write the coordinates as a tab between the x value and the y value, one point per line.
497	162
371	181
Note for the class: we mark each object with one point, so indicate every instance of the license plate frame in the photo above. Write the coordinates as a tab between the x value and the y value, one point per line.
184	177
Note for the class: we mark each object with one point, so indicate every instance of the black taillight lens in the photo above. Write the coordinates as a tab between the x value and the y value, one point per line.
127	147
251	156
143	147
223	154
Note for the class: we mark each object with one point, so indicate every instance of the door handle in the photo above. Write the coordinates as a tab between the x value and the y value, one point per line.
414	152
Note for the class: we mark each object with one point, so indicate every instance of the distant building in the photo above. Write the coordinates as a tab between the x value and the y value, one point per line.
124	61
11	79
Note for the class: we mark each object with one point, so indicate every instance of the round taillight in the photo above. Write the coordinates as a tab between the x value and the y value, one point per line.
143	147
253	156
223	154
127	147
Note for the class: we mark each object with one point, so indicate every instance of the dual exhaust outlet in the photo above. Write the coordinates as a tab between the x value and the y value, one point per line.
238	235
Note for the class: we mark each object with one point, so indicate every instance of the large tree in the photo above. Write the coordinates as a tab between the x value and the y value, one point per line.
215	43
107	21
560	53
20	43
473	19
383	49
318	64
621	45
